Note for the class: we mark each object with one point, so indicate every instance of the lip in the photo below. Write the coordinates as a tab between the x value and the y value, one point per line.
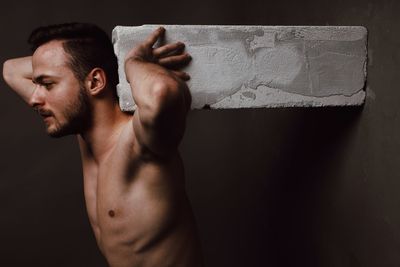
46	118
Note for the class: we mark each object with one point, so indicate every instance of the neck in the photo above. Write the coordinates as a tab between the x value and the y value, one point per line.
106	124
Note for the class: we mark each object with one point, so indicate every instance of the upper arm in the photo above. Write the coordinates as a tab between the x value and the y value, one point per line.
159	132
17	73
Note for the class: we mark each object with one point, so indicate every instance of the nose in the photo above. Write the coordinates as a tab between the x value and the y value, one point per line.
37	97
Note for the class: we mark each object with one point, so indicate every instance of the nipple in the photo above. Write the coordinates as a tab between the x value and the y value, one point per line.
111	213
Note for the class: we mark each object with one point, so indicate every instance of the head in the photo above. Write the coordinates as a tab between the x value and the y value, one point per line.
74	66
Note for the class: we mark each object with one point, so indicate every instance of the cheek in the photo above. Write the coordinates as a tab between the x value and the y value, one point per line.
67	91
62	99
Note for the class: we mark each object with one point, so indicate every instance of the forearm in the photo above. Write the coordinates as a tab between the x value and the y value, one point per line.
160	92
154	88
17	73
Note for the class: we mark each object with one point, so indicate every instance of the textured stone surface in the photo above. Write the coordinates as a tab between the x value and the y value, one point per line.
262	66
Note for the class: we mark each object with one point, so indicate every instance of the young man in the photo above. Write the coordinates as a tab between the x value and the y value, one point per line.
133	174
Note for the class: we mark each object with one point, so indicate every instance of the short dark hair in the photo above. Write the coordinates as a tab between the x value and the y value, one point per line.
88	46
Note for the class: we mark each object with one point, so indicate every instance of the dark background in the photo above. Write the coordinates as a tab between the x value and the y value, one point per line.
269	187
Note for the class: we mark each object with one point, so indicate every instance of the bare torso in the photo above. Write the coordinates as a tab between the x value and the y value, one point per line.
136	201
138	207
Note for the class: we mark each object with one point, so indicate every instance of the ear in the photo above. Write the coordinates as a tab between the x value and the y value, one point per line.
96	81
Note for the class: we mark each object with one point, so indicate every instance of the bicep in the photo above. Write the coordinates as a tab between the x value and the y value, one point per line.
17	74
162	135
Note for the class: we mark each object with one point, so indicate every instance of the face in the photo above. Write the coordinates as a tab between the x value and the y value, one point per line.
58	96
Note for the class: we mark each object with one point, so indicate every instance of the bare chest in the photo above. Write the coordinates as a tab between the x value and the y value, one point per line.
124	196
104	186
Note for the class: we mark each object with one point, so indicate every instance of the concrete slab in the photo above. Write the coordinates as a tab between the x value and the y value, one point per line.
262	66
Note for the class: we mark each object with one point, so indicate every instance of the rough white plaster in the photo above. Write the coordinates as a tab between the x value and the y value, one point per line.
262	66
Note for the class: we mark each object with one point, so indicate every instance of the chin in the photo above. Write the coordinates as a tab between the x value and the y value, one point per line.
54	133
57	131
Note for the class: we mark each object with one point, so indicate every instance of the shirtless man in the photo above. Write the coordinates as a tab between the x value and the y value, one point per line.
133	174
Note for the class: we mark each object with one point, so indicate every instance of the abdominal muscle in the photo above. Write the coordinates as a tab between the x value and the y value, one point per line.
142	215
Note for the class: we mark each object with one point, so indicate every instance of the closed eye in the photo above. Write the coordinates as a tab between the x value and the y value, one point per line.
48	86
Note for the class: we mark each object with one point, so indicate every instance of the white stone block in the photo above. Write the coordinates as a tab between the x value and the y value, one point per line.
262	66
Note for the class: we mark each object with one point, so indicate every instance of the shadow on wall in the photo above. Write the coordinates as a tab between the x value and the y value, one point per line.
258	178
313	155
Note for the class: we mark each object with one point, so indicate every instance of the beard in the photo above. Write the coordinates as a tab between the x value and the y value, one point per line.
77	117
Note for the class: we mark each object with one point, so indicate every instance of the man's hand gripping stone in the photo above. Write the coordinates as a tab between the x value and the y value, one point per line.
170	56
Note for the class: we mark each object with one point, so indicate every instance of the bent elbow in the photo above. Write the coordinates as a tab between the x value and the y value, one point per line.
7	73
168	92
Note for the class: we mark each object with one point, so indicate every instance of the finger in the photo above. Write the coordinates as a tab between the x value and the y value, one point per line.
168	49
172	61
152	39
183	75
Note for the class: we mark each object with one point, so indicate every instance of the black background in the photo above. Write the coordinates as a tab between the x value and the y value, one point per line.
269	187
